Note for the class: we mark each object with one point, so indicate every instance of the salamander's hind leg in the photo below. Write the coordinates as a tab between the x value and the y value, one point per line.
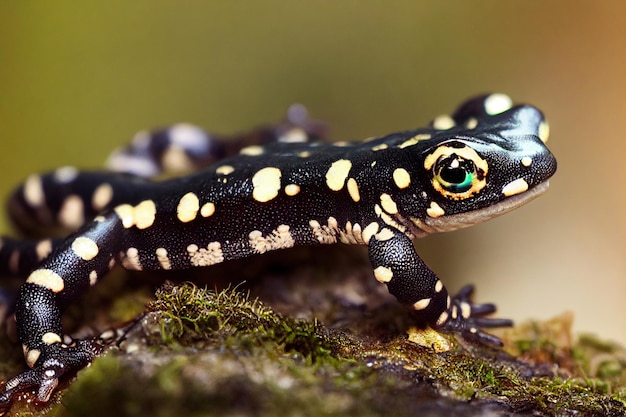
396	264
185	148
71	269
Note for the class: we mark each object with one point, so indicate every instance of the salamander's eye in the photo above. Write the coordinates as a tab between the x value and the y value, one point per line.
454	173
456	170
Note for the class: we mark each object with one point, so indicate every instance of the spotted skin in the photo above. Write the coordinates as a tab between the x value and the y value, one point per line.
277	190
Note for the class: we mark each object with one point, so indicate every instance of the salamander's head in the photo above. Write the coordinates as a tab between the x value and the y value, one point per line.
486	159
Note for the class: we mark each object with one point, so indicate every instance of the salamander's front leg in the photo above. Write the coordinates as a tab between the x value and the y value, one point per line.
396	264
66	274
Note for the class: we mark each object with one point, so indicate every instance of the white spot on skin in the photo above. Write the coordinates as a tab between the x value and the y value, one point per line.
383	274
207	209
175	159
527	161
125	212
421	304
435	210
304	154
280	238
466	310
388	204
497	103
353	190
130	260
43	249
164	260
438	286
85	248
380	147
47	278
225	170
71	212
443	122
266	183
414	140
292	189
33	191
294	135
515	187
337	174
252	150
101	196
50	338
93	278
188	207
31	357
65	175
402	178
204	257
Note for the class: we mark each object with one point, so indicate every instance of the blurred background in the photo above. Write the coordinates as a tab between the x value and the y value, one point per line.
79	79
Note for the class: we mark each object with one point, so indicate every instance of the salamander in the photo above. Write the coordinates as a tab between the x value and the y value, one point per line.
271	189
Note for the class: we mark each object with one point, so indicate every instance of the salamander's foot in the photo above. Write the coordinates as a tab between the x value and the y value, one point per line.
468	320
56	361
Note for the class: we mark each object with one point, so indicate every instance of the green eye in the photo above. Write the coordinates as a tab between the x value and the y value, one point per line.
454	173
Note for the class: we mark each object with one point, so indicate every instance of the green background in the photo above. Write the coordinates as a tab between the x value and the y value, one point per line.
78	79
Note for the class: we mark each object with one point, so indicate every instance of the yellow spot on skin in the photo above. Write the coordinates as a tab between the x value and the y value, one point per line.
50	338
369	231
304	154
515	187
527	161
337	174
47	278
471	123
294	135
33	191
438	286
497	103
388	204
466	310
341	143
252	150
280	238
101	196
402	178
544	131
384	234
421	304
31	357
204	257
93	278
43	249
71	212
144	214
292	189
435	210
85	248
383	274
353	190
207	210
225	170
442	319
266	183
175	159
163	259
380	147
443	122
130	259
188	207
414	140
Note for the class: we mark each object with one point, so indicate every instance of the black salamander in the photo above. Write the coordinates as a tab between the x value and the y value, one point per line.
281	189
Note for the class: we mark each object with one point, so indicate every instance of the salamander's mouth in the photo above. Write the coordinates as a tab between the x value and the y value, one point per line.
462	220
